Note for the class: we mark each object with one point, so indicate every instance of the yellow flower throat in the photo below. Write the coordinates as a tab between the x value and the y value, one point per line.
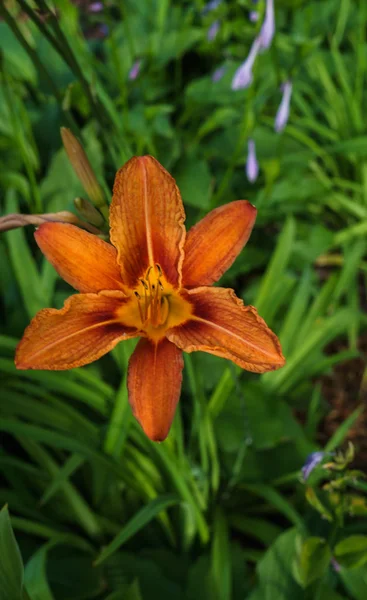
155	305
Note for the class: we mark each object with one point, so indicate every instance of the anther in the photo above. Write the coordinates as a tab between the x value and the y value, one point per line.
160	285
144	283
158	267
137	295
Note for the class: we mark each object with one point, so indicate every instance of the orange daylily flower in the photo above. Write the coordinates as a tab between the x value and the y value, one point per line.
153	281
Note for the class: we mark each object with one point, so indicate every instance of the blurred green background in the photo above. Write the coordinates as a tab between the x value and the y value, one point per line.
220	510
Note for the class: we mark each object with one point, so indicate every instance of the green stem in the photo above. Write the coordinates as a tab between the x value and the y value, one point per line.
238	151
331	541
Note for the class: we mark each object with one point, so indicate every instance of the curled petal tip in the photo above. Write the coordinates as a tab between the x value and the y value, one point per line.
214	243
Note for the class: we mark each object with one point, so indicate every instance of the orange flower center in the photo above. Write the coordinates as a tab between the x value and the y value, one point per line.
155	305
152	303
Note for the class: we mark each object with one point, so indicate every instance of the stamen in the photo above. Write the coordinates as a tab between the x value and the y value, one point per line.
146	302
153	306
139	307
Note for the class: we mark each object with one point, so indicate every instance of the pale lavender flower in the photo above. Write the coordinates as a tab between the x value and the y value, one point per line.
253	16
312	461
334	563
218	73
252	166
282	115
212	5
268	27
95	7
135	69
213	31
243	76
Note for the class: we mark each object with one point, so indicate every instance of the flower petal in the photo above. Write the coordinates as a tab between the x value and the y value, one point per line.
154	384
81	332
223	326
147	220
82	259
214	243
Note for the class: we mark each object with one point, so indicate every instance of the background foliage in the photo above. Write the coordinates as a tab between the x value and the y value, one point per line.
219	510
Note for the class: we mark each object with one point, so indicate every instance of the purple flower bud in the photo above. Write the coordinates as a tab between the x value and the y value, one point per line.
268	27
312	461
218	73
282	115
213	31
243	76
252	166
212	5
135	69
253	16
95	7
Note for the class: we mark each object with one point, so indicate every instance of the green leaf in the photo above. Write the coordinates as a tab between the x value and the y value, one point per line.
339	436
313	498
35	576
194	180
312	561
352	551
276	581
221	558
140	519
355	581
11	564
275	270
128	592
23	263
276	499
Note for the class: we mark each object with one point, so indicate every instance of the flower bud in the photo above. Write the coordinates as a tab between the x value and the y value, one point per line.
84	171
